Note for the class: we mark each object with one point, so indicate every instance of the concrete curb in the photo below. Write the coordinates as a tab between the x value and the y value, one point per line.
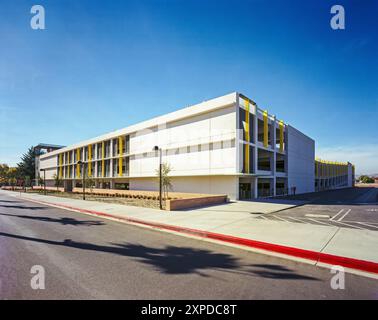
317	257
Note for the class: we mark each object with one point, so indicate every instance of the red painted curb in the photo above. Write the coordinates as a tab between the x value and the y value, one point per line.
346	262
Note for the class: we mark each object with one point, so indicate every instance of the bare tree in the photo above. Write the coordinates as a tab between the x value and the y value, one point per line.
57	181
166	179
89	183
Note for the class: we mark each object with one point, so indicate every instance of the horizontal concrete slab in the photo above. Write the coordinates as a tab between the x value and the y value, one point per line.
353	243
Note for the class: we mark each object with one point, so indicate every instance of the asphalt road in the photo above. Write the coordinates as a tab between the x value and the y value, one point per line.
355	208
91	258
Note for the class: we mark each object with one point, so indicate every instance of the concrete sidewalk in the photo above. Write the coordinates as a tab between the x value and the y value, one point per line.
323	245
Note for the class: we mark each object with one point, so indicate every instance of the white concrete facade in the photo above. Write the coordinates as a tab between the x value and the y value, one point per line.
300	162
226	145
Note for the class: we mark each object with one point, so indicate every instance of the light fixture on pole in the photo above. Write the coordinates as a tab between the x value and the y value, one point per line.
82	165
156	148
44	180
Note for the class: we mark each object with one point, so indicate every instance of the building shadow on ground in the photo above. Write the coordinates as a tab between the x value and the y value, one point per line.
344	196
63	221
22	207
177	260
277	272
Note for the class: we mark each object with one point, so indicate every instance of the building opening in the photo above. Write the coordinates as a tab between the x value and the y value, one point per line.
281	186
121	186
264	188
264	160
245	191
280	163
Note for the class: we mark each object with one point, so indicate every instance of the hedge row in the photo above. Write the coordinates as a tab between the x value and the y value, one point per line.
122	195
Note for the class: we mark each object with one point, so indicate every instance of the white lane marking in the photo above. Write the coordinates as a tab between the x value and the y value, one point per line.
296	219
349	225
366	224
344	215
335	216
321	222
279	218
310	215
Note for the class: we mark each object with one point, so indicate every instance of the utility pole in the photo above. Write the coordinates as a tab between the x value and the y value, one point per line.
156	148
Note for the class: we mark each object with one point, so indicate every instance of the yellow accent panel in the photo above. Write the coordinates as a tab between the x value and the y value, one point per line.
247	138
265	117
60	165
68	162
77	166
103	161
281	124
89	160
120	147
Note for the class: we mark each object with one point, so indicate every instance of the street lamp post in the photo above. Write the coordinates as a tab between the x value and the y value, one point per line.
82	164
44	180
156	148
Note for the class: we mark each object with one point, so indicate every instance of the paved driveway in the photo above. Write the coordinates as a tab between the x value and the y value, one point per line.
347	208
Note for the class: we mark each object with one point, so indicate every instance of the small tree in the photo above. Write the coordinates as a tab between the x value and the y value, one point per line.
57	181
12	181
89	183
40	180
11	176
27	182
166	179
4	173
366	179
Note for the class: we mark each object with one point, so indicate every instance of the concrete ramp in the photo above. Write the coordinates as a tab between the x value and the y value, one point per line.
252	207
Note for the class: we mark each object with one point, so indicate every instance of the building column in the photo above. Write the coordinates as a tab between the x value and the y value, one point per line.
95	163
273	166
255	186
238	139
111	159
254	138
255	150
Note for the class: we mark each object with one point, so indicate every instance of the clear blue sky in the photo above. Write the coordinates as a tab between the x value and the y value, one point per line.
103	65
